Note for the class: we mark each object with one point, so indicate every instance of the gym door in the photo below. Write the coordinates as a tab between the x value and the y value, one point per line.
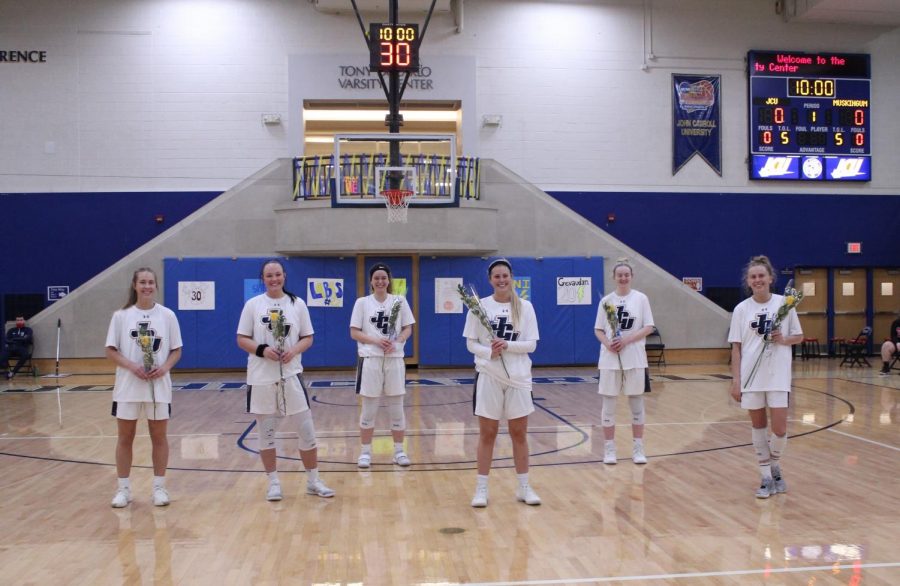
849	296
813	312
886	302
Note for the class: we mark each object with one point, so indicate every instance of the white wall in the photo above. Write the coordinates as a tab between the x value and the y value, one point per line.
168	94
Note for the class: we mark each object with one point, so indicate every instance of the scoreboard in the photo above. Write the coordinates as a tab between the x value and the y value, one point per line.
393	47
810	116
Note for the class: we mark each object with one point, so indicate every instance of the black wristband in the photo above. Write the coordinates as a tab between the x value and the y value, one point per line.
261	349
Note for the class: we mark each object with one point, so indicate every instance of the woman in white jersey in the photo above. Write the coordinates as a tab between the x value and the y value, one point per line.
503	377
275	386
623	359
144	341
770	386
381	323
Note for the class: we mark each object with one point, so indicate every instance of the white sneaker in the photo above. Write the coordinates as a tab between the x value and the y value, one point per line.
318	488
481	497
121	498
780	484
527	495
766	489
160	496
364	461
609	454
637	454
274	493
401	459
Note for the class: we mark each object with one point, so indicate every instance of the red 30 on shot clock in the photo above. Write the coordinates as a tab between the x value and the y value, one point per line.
393	47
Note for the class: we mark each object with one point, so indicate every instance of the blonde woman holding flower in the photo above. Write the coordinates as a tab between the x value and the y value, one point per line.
381	323
144	341
624	321
761	368
501	343
274	331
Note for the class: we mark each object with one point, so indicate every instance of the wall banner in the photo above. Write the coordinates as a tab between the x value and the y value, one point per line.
573	290
325	292
196	295
696	126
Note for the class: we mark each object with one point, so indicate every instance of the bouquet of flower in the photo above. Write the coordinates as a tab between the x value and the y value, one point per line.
792	299
613	318
146	342
279	331
392	318
471	300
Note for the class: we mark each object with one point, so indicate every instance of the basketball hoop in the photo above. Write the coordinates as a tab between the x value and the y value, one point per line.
397	202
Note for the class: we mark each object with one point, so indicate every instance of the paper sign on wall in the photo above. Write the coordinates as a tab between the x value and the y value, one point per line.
848	289
695	283
887	289
196	295
573	290
325	292
809	289
446	299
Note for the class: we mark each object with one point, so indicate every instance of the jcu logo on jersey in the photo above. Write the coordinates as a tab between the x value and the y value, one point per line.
325	292
143	329
762	325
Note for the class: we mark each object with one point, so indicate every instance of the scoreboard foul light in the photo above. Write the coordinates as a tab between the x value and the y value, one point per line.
393	47
809	116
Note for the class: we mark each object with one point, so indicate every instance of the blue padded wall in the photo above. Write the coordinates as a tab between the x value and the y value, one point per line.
210	336
567	331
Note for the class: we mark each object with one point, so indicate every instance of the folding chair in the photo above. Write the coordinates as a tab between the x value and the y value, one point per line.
894	363
855	350
656	350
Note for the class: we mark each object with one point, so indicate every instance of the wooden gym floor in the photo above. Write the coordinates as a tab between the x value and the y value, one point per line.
688	517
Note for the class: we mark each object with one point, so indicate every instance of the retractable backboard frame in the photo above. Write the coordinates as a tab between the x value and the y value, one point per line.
359	168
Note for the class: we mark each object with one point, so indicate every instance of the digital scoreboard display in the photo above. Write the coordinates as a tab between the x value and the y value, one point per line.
393	47
810	116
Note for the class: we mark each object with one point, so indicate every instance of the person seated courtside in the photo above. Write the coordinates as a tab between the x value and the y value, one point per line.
19	342
891	348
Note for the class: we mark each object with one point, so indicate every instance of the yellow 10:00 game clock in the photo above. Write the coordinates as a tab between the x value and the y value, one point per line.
809	116
393	47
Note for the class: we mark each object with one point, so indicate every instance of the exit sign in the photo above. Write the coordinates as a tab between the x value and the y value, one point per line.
854	248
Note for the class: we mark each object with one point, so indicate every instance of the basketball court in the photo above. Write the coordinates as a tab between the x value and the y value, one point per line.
688	516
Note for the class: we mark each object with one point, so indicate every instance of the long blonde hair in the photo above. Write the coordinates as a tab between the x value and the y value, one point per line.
514	302
132	292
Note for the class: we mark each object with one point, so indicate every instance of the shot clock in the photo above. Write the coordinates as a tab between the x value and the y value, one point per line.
393	47
809	116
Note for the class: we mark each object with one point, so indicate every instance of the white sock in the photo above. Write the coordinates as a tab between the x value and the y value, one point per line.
398	447
312	475
125	483
610	444
366	449
481	480
273	477
159	481
523	479
639	441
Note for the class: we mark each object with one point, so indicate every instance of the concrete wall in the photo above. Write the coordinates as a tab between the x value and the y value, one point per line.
168	95
253	220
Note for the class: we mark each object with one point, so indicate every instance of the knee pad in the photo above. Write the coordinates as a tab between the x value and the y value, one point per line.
368	412
637	409
608	413
306	431
395	410
265	426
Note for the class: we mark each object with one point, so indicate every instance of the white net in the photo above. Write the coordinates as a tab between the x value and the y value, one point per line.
397	202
